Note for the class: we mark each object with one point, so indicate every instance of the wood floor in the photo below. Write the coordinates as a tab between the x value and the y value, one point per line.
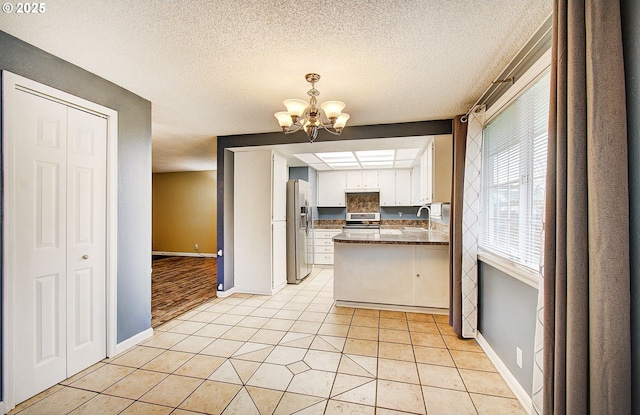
180	284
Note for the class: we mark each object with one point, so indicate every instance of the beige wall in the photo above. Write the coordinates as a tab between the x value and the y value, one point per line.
184	211
443	154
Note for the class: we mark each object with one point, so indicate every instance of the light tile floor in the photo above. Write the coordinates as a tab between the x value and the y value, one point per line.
294	352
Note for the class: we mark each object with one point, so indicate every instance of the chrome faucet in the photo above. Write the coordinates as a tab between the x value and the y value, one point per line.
428	211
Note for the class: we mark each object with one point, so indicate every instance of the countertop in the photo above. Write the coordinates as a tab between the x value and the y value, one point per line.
404	237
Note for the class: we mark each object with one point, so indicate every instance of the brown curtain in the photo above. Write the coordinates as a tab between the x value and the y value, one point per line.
455	224
586	253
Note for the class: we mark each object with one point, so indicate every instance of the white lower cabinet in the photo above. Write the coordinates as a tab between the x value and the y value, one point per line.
392	275
323	246
431	281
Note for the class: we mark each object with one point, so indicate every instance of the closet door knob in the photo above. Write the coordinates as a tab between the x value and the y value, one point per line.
85	256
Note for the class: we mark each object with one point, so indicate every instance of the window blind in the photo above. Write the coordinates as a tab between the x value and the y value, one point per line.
514	153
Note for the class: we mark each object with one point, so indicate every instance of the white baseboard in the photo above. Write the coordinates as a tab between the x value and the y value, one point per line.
392	307
196	254
132	341
226	293
512	382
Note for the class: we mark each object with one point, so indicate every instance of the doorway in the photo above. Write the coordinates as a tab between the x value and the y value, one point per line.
59	236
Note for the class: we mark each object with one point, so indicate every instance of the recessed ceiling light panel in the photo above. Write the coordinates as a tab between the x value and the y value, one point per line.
337	156
308	158
321	166
375	155
376	164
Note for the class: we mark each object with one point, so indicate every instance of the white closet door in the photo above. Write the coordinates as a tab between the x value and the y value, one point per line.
41	245
60	205
86	227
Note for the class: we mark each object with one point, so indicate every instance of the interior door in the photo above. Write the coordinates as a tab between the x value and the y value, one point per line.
86	240
40	244
59	274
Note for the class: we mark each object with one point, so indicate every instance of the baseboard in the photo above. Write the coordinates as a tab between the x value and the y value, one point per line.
393	307
132	341
195	254
512	382
226	293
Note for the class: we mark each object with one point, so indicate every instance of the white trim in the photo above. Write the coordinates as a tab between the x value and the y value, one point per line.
132	341
510	380
517	271
226	293
393	307
194	254
520	85
10	83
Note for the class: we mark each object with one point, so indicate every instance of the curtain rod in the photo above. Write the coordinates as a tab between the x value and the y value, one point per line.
537	45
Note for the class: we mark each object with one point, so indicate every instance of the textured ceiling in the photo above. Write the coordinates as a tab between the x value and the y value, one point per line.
224	67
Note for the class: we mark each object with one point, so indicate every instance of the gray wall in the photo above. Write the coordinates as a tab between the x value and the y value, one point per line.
134	169
507	319
631	37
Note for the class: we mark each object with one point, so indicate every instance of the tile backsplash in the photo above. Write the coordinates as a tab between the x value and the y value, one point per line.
363	202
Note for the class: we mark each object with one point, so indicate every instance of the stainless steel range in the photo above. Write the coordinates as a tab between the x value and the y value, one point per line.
365	220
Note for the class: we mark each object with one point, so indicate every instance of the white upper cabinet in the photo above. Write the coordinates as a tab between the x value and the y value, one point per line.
415	185
423	177
362	179
395	187
331	185
403	188
369	179
427	174
387	183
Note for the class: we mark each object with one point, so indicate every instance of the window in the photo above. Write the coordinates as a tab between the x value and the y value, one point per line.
514	155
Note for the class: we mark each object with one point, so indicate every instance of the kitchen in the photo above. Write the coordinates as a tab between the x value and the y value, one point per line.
365	197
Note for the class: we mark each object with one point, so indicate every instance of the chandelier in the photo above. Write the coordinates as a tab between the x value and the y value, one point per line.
307	116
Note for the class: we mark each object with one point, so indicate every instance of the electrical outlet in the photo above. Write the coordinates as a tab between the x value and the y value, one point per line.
519	357
195	247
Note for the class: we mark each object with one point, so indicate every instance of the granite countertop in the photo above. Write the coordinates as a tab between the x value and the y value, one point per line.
406	237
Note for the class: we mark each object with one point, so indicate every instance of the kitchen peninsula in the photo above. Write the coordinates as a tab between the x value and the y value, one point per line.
395	269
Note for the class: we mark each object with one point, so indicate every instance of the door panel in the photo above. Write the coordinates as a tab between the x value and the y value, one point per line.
86	218
47	205
47	318
40	244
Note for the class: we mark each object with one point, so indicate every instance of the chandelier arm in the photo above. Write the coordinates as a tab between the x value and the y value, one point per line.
327	128
297	128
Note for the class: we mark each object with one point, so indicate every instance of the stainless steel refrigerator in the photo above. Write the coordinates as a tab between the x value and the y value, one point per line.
299	231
